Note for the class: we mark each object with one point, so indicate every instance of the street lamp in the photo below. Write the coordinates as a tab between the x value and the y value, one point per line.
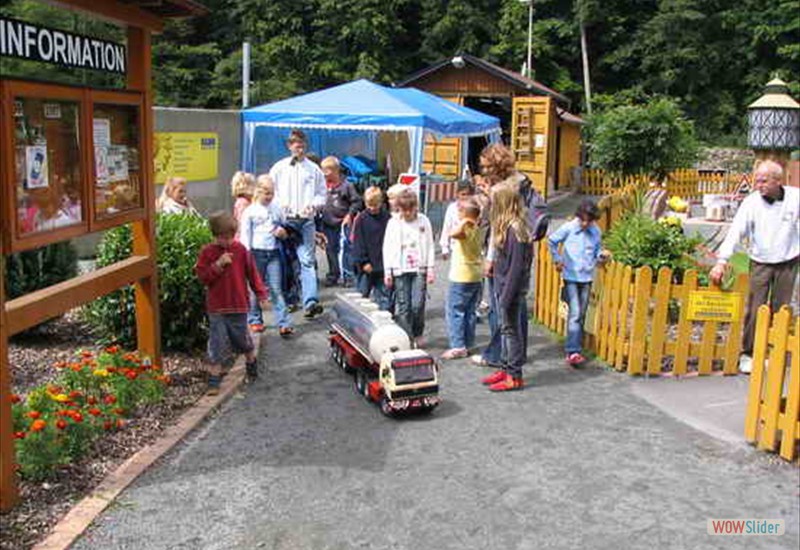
530	35
774	122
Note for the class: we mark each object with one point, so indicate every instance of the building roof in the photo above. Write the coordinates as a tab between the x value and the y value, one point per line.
513	77
568	117
170	8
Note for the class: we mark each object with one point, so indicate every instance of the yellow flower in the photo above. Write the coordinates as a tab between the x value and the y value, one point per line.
100	372
60	397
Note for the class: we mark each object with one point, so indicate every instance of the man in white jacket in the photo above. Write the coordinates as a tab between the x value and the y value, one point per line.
770	219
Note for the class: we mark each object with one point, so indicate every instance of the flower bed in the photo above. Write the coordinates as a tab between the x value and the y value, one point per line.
56	423
44	502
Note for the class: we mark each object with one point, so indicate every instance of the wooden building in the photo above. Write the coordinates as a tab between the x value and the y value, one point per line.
536	122
76	157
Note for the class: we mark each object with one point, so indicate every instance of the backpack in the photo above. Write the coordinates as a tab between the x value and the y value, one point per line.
538	216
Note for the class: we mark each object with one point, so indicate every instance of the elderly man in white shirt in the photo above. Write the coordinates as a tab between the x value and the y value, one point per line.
770	219
300	192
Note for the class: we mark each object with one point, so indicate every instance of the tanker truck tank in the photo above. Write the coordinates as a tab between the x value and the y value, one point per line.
372	332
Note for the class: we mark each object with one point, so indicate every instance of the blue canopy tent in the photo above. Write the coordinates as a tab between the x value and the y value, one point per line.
345	119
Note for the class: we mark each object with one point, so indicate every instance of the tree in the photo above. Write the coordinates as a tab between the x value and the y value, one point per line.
654	138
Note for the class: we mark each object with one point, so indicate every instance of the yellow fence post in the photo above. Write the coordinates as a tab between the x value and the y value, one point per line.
641	306
775	374
658	331
733	346
754	402
684	337
790	419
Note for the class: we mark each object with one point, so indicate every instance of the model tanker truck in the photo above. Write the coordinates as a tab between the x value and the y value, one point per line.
370	345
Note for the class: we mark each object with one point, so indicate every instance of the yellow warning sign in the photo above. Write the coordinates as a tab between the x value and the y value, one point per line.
723	307
190	155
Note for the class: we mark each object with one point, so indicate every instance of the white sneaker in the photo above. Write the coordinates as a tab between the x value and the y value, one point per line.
745	364
478	359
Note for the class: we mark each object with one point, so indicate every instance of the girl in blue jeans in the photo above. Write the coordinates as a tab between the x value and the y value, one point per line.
580	253
259	232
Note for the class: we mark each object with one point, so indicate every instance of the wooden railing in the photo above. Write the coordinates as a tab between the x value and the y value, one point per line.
773	404
685	183
643	326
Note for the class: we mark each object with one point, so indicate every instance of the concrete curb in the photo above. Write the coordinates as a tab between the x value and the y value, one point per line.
81	516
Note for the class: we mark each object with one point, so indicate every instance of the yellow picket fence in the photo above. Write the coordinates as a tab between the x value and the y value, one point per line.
773	404
643	326
615	205
689	184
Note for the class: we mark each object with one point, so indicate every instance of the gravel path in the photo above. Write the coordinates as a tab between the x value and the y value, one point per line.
298	461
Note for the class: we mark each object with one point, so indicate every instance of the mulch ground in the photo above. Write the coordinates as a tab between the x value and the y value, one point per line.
31	356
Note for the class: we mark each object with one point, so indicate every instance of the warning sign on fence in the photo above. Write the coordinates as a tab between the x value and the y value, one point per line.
722	307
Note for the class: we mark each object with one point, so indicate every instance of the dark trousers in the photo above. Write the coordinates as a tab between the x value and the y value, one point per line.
513	336
770	284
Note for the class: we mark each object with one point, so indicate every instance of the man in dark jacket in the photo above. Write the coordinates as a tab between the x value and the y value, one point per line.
342	203
368	231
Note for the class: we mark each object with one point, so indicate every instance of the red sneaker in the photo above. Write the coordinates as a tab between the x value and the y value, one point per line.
575	359
507	384
495	377
256	328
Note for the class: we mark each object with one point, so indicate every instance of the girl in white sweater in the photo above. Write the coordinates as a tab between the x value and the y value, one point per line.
408	262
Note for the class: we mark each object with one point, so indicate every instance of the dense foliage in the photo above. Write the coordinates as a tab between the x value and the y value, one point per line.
39	268
181	295
712	56
638	240
56	423
653	138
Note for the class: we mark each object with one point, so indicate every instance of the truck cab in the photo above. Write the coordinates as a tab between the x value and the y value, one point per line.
409	380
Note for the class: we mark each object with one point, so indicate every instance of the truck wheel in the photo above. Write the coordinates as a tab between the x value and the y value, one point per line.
335	352
385	408
361	383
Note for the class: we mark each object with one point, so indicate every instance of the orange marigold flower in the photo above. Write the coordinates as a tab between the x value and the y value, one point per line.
109	400
74	394
15	399
60	424
94	411
119	410
53	389
107	425
92	400
112	369
86	353
131	375
76	416
75	367
19	435
120	423
60	364
112	349
38	425
34	414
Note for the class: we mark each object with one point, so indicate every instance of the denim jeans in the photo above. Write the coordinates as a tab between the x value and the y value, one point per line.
372	283
513	336
493	349
409	309
462	299
268	265
337	252
578	300
305	253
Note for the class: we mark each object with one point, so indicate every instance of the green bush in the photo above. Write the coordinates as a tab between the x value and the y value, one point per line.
181	295
39	268
638	240
653	138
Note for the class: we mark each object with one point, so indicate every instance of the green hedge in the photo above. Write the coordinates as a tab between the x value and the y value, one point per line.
184	327
39	268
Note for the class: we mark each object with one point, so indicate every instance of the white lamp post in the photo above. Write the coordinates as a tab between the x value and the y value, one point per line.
530	35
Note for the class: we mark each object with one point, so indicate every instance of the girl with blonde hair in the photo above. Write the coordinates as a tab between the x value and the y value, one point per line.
513	254
243	186
174	199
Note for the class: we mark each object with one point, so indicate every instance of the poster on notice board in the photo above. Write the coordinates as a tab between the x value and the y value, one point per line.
36	167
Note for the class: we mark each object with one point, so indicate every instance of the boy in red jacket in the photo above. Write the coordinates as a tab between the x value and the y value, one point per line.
225	267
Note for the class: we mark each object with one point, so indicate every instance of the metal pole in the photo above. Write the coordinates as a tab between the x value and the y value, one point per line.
245	75
585	56
530	37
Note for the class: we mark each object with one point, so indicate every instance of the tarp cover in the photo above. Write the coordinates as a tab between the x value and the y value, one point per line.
365	106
